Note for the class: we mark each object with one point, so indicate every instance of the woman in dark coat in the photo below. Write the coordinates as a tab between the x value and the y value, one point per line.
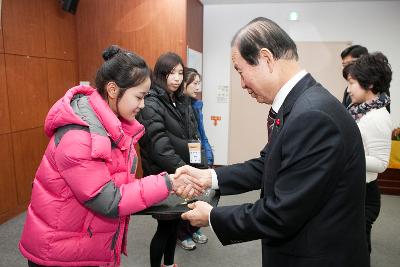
171	128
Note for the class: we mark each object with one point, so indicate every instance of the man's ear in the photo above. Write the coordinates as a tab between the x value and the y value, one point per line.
112	90
266	54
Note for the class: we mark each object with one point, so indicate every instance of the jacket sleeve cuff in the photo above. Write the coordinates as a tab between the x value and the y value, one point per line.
209	221
168	181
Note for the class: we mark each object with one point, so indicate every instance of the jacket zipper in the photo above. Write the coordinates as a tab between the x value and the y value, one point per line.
176	112
90	232
130	146
114	242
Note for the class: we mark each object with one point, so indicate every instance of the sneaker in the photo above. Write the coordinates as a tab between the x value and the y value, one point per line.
199	237
175	265
187	244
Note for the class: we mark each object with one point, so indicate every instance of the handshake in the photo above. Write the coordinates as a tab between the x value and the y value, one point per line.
188	182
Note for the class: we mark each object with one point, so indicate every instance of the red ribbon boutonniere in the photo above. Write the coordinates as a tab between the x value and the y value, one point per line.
277	122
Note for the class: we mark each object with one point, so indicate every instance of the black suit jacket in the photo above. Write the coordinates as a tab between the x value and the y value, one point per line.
312	179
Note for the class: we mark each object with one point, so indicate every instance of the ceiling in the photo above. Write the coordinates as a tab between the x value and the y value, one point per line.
223	2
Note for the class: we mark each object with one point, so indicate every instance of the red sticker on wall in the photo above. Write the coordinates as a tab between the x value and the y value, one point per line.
215	119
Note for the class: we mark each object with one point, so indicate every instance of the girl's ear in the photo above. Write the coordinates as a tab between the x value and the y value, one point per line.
112	90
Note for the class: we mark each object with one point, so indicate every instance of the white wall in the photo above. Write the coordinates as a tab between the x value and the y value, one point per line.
375	25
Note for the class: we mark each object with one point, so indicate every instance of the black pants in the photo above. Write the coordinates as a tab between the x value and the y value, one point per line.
186	230
31	264
372	208
164	242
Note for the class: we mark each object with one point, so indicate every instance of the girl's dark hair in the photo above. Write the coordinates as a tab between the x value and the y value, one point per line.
190	75
371	70
163	67
123	67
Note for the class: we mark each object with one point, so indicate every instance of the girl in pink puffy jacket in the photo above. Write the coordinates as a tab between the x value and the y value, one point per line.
85	188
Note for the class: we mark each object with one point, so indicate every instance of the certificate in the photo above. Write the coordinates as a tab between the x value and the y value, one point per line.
175	205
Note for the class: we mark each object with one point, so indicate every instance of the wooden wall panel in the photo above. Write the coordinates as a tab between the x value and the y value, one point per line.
194	28
38	63
28	147
151	28
147	27
4	114
7	177
27	91
61	76
23	27
95	34
60	31
195	25
1	37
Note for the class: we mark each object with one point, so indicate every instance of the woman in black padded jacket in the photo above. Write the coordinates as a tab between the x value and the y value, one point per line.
170	128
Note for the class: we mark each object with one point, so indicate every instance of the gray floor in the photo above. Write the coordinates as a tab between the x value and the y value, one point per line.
386	241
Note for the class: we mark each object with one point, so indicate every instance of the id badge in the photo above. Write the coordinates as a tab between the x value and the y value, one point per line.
195	151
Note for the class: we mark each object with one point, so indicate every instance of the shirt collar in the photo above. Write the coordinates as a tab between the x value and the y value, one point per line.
285	90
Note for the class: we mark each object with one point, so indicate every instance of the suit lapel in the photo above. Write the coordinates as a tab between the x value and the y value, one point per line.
305	83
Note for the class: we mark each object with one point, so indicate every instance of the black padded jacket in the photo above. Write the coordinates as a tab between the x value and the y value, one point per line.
169	129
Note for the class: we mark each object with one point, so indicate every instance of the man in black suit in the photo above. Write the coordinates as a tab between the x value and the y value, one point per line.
311	173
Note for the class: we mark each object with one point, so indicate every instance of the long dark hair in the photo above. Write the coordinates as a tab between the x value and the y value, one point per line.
123	67
163	67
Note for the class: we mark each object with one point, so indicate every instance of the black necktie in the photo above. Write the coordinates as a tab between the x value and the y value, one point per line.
270	122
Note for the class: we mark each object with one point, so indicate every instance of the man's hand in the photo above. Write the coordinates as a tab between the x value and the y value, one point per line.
198	215
186	186
203	176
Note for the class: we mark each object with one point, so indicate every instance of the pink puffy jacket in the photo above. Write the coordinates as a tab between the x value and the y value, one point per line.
84	189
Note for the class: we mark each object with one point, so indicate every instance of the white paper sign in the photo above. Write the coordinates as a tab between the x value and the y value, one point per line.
223	94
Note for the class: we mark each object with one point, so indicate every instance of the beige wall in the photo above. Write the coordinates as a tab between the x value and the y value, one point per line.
322	60
247	125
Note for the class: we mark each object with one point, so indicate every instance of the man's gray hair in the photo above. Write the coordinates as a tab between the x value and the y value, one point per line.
264	33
